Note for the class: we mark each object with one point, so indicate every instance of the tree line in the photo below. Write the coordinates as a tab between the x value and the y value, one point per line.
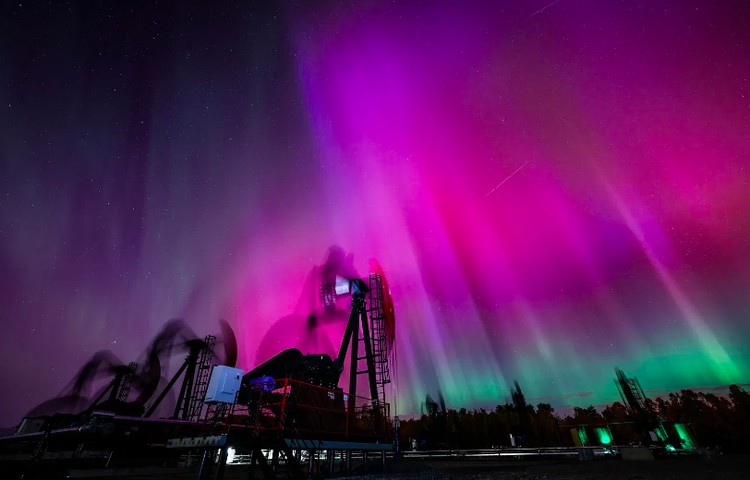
714	421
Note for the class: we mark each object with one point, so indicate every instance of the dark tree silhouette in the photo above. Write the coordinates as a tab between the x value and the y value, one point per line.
715	421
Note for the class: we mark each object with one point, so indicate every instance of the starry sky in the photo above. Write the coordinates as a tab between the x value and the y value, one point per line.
553	188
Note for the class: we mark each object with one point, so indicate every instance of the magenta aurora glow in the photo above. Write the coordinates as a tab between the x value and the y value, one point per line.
552	191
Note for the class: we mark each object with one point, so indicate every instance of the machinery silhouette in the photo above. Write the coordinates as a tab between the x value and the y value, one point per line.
290	404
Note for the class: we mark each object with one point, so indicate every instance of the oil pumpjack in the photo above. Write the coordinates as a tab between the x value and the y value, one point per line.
654	430
291	406
366	342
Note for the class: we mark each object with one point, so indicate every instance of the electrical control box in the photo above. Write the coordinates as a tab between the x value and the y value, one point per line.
224	384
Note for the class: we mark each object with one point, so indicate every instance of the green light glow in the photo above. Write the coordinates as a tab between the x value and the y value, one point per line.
673	365
583	436
662	434
603	434
682	432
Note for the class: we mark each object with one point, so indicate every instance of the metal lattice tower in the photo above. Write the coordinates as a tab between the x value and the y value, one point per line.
203	373
635	399
379	338
637	391
631	393
127	381
196	370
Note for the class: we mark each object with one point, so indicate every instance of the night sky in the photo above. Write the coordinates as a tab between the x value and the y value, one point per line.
553	188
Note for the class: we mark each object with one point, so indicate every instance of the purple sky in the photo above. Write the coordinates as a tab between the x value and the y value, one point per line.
553	188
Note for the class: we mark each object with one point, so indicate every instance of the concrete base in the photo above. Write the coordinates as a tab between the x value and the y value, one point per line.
636	453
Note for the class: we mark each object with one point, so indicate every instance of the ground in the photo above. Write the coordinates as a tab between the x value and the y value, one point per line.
725	467
719	468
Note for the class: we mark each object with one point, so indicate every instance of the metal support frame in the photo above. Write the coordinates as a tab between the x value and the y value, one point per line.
357	321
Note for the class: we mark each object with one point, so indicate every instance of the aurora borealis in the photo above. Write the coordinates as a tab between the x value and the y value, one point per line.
553	188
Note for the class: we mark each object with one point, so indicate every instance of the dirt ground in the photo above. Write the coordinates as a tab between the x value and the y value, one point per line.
724	467
719	468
